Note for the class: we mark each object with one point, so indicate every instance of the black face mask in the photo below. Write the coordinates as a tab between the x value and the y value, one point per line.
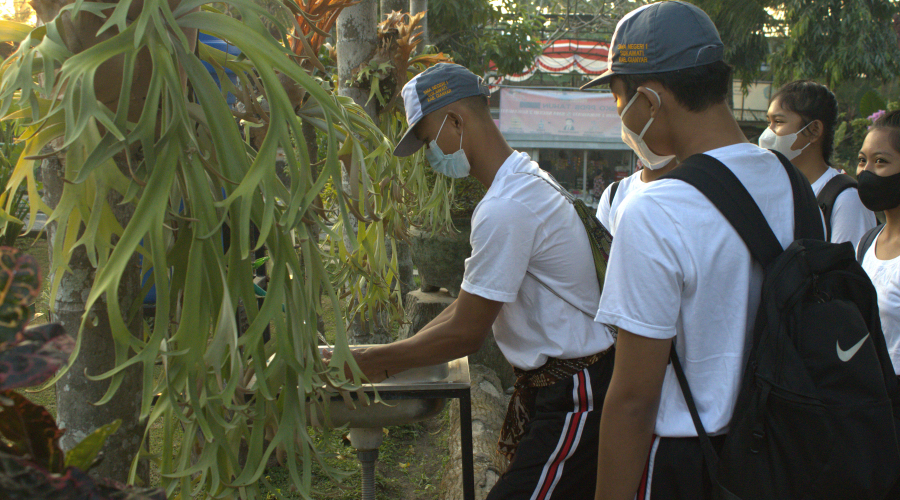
879	193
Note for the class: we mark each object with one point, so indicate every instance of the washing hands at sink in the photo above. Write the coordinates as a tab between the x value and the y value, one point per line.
372	374
457	332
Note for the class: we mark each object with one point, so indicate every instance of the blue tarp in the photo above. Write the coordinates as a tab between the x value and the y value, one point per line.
226	47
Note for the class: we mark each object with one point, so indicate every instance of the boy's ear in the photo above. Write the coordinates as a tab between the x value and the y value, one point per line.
456	119
653	96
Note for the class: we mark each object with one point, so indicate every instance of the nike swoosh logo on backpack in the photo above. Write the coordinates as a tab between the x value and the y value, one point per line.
849	353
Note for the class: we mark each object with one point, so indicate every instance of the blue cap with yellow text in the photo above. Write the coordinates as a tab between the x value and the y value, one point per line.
432	89
661	37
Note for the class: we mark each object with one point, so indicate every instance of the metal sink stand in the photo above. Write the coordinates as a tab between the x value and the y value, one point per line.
455	386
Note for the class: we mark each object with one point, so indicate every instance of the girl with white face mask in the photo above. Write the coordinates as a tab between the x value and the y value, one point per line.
802	118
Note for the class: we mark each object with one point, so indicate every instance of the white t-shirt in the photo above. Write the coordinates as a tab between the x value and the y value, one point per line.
849	218
606	212
678	269
885	275
523	224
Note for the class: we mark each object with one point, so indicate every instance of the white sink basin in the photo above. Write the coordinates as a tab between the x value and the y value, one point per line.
397	409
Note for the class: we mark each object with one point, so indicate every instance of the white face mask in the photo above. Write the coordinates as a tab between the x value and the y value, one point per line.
636	142
782	143
453	165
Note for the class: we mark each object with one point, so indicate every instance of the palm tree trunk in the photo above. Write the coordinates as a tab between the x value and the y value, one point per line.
75	393
356	42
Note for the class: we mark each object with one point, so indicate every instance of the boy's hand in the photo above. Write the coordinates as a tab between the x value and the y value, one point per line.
373	374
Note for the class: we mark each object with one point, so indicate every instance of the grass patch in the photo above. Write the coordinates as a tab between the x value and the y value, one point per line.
410	464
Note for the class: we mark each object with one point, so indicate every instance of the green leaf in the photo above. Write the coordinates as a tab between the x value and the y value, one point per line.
11	31
188	173
840	134
85	453
871	102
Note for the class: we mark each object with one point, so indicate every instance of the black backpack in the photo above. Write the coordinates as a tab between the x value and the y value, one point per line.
866	241
612	192
814	417
828	195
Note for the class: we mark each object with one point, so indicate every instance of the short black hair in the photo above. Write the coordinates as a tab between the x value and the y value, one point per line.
695	88
478	104
891	122
812	101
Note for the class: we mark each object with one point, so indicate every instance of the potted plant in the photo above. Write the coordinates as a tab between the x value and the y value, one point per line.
440	245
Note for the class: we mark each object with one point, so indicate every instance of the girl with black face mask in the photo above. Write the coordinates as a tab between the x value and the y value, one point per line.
878	174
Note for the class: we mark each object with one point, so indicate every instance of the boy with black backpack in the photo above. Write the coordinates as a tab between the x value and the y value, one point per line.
682	284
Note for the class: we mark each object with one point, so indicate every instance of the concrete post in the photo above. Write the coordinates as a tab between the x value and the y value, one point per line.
416	6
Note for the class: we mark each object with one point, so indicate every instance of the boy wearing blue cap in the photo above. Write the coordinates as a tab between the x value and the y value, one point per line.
677	269
526	280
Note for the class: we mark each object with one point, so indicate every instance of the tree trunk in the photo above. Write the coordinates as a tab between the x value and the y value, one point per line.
357	40
421	308
75	394
312	149
416	6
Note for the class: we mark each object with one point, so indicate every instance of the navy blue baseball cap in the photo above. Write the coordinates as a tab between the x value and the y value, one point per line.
432	89
661	37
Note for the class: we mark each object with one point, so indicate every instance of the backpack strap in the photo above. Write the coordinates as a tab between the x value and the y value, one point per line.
612	191
807	216
598	237
709	453
866	241
540	282
828	196
719	184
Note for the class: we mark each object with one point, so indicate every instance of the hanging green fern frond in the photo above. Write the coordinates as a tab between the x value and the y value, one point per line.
104	86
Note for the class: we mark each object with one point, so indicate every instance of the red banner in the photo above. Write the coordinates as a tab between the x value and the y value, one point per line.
561	114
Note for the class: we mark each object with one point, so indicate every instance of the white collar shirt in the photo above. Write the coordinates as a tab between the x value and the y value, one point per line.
524	225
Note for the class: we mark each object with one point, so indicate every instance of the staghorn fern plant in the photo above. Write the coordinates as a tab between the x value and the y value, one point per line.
117	92
9	154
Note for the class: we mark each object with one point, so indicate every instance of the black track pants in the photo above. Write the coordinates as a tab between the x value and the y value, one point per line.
557	458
